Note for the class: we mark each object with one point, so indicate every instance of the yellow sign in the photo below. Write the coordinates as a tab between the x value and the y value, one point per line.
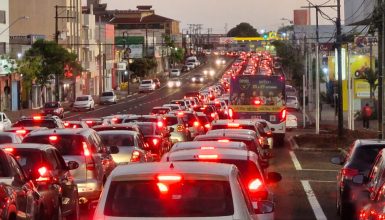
361	88
253	108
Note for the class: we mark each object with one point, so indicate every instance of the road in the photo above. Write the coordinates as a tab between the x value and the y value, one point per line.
307	190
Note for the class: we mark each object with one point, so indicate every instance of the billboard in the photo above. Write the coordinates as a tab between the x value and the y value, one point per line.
301	17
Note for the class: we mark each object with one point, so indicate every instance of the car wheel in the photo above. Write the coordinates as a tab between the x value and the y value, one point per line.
75	214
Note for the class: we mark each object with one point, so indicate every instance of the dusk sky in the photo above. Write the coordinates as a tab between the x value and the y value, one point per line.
262	14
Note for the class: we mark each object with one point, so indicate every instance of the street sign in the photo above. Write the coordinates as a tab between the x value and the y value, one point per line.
122	66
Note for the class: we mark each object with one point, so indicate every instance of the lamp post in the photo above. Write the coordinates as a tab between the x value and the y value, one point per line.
126	56
14	22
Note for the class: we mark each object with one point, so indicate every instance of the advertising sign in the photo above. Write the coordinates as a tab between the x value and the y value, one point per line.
136	51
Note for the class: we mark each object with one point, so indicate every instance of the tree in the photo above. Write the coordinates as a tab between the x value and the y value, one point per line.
29	67
243	30
143	66
371	77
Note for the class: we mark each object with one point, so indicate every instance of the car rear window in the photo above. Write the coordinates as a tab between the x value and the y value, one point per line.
251	145
187	198
66	144
170	121
82	98
248	127
146	82
36	123
363	157
51	105
125	140
107	94
148	129
29	159
128	120
161	111
5	139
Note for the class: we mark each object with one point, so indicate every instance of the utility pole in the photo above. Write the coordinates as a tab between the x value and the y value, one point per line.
101	83
317	89
381	71
304	84
339	61
57	17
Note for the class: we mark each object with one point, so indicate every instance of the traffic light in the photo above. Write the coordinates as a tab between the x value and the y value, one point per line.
265	36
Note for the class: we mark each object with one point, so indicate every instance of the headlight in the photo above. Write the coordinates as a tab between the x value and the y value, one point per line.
223	62
178	84
170	84
205	72
218	62
212	72
193	79
201	79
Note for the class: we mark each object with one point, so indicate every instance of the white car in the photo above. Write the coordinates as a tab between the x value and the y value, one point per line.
147	85
177	190
190	65
175	72
5	122
84	102
108	97
292	102
291	121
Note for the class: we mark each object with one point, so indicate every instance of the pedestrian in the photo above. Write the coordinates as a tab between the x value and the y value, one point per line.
366	114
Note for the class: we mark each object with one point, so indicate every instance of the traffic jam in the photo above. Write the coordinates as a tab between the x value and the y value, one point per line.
204	155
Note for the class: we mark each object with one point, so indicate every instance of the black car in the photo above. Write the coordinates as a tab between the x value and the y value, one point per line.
55	184
358	162
18	194
40	121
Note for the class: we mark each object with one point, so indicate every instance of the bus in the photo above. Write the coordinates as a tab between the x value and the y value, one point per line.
260	97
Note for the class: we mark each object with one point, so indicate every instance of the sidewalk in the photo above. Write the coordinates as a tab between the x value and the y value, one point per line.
328	117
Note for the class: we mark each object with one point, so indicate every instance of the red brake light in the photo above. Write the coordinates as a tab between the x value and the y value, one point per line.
86	151
213	115
196	123
21	131
155	141
233	125
42	171
66	124
160	124
162	187
224	140
75	126
180	114
114	119
207	148
36	117
135	156
349	173
9	149
231	113
89	122
208	157
208	126
53	138
283	115
257	102
169	177
255	185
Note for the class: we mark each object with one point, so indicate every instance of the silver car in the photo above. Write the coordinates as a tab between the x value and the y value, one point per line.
84	102
131	147
108	98
84	146
177	128
147	86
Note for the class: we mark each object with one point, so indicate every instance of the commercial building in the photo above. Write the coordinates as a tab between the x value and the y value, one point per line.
4	25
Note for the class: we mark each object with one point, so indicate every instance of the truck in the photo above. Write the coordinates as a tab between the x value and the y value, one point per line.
260	97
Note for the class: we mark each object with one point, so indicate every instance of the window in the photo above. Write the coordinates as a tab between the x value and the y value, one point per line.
3	17
52	160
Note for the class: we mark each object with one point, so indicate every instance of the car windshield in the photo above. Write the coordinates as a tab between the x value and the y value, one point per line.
107	94
146	82
5	139
187	198
51	105
148	129
160	111
170	121
66	144
363	157
36	123
125	140
82	98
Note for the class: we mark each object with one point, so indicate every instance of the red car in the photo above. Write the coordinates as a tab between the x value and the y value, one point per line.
53	108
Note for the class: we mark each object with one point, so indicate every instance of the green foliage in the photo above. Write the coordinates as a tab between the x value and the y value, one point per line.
243	30
48	59
142	67
177	54
371	77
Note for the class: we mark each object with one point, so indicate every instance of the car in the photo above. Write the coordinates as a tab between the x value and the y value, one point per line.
176	126
23	131
252	175
92	122
292	103
147	86
123	126
181	103
250	141
209	72
39	121
198	78
5	122
220	61
84	146
291	121
174	83
374	208
53	108
145	118
19	195
173	106
208	145
208	110
153	189
157	83
84	102
175	72
190	65
108	97
185	68
75	124
10	137
131	146
157	138
160	110
191	121
360	160
204	120
47	164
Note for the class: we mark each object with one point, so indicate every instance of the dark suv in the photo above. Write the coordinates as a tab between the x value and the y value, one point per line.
84	146
54	183
40	121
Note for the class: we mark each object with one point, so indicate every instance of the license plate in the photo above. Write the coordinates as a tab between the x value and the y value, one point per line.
256	117
273	118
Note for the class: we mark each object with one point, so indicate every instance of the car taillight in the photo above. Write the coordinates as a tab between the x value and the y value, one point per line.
169	177
208	126
231	113
283	115
52	138
86	151
9	149
89	122
155	141
224	140
162	187
257	102
114	120
208	157
135	156
196	124
349	173
213	115
180	128
160	124
90	164
255	185
207	148
36	117
233	125
22	132
43	172
66	124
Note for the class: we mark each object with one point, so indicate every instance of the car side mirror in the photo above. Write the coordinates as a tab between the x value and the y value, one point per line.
358	179
72	165
263	207
336	160
274	177
113	149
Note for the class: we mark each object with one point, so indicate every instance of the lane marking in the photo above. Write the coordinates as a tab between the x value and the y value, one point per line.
320	170
322	181
318	212
296	163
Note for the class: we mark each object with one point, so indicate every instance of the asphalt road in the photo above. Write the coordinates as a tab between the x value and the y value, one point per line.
307	190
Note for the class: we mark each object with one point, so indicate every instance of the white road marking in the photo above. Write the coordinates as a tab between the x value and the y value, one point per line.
296	163
320	170
318	212
322	181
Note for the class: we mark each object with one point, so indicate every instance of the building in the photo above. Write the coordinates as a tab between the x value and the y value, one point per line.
358	12
4	26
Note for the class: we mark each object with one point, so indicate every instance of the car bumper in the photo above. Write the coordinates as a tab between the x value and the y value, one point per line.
145	89
107	101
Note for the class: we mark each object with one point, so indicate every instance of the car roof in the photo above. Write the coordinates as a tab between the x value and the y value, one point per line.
236	121
223	153
215	144
118	132
232	131
41	147
235	136
156	168
8	133
142	116
25	128
124	125
62	131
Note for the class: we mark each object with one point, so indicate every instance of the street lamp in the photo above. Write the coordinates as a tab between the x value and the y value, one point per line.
13	23
126	56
